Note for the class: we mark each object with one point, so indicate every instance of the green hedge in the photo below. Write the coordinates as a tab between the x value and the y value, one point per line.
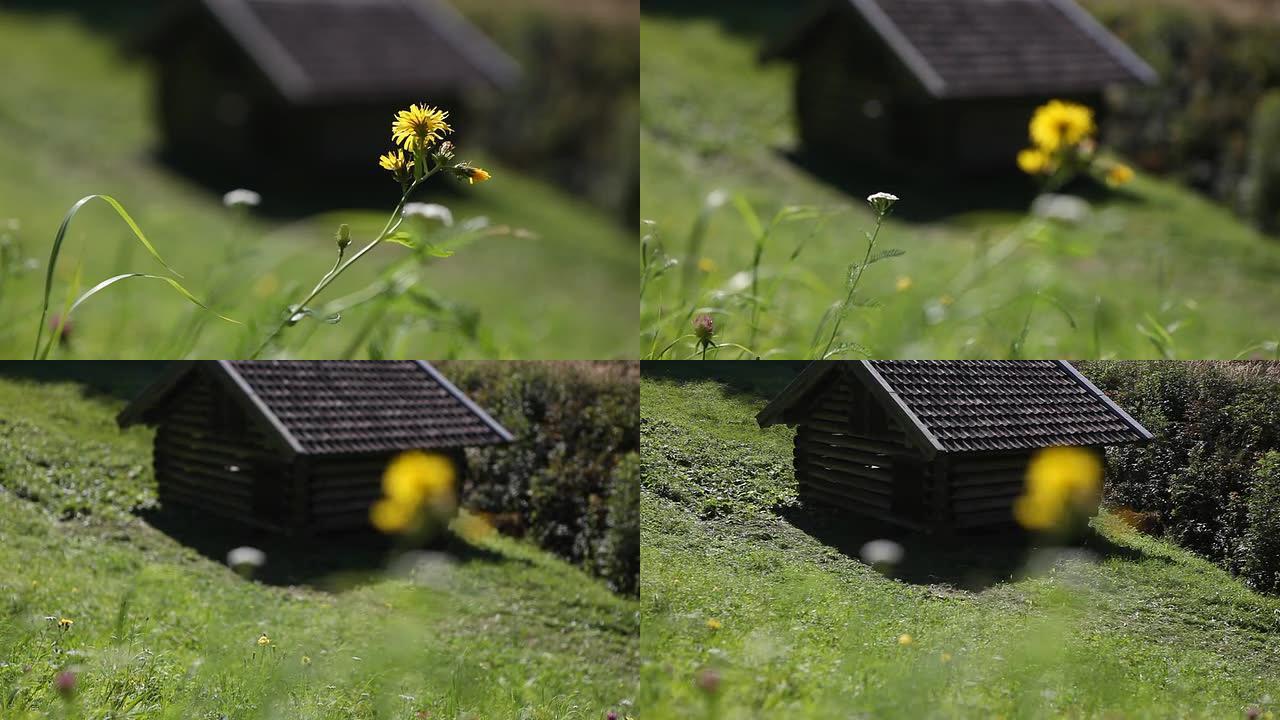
570	475
1214	71
1211	474
1262	185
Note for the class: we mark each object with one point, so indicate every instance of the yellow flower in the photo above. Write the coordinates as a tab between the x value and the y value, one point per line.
946	657
713	624
473	174
417	477
946	301
419	127
1119	174
1059	125
904	283
65	623
1034	162
905	639
1060	481
392	516
264	640
707	265
396	162
306	659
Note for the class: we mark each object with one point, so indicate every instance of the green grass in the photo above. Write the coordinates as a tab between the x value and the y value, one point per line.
1132	627
75	119
1154	255
490	629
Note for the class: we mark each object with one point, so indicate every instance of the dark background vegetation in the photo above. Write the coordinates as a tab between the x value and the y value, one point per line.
1211	478
571	479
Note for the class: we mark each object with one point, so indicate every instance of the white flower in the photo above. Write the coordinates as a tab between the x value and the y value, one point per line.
242	198
429	211
246	558
882	552
882	201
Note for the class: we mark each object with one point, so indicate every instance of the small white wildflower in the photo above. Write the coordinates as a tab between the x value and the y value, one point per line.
882	201
882	552
245	559
242	198
429	211
716	198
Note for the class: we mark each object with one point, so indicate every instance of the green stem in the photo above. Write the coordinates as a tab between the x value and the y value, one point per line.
853	286
393	223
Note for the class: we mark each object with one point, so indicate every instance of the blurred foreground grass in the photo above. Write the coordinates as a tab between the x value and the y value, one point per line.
487	629
755	607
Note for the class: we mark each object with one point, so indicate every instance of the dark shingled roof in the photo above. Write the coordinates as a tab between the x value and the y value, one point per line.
991	48
341	407
334	50
960	406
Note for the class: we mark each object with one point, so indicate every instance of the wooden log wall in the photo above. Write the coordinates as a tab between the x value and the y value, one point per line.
199	466
340	490
845	456
984	487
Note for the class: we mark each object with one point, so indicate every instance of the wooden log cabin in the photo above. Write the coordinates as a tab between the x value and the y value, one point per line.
944	86
298	446
937	445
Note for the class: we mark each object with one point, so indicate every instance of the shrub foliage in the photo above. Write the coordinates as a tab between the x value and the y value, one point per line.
1212	474
567	477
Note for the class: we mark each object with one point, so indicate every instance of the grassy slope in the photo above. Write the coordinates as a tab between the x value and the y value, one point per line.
75	119
161	631
1144	631
714	118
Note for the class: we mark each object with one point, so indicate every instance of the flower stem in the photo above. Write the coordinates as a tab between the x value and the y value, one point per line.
339	267
853	286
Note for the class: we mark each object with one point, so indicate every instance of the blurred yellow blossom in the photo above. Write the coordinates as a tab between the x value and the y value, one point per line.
713	624
414	481
1059	124
306	659
904	283
1062	483
707	265
905	639
65	623
946	657
264	640
1034	162
1119	174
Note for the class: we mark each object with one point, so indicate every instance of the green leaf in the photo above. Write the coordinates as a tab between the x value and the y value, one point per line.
749	216
435	251
402	238
62	234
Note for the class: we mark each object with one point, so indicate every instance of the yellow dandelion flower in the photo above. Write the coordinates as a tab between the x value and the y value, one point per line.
1060	482
396	162
474	175
904	283
392	516
946	657
713	624
706	265
1059	125
419	127
1119	174
905	639
306	659
263	640
1034	162
416	477
65	623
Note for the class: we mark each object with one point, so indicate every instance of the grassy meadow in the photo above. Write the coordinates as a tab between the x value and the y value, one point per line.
161	628
1154	271
75	119
754	606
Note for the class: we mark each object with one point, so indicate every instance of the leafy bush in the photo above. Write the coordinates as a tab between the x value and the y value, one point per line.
1213	421
1262	187
1262	538
619	556
1213	72
574	425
